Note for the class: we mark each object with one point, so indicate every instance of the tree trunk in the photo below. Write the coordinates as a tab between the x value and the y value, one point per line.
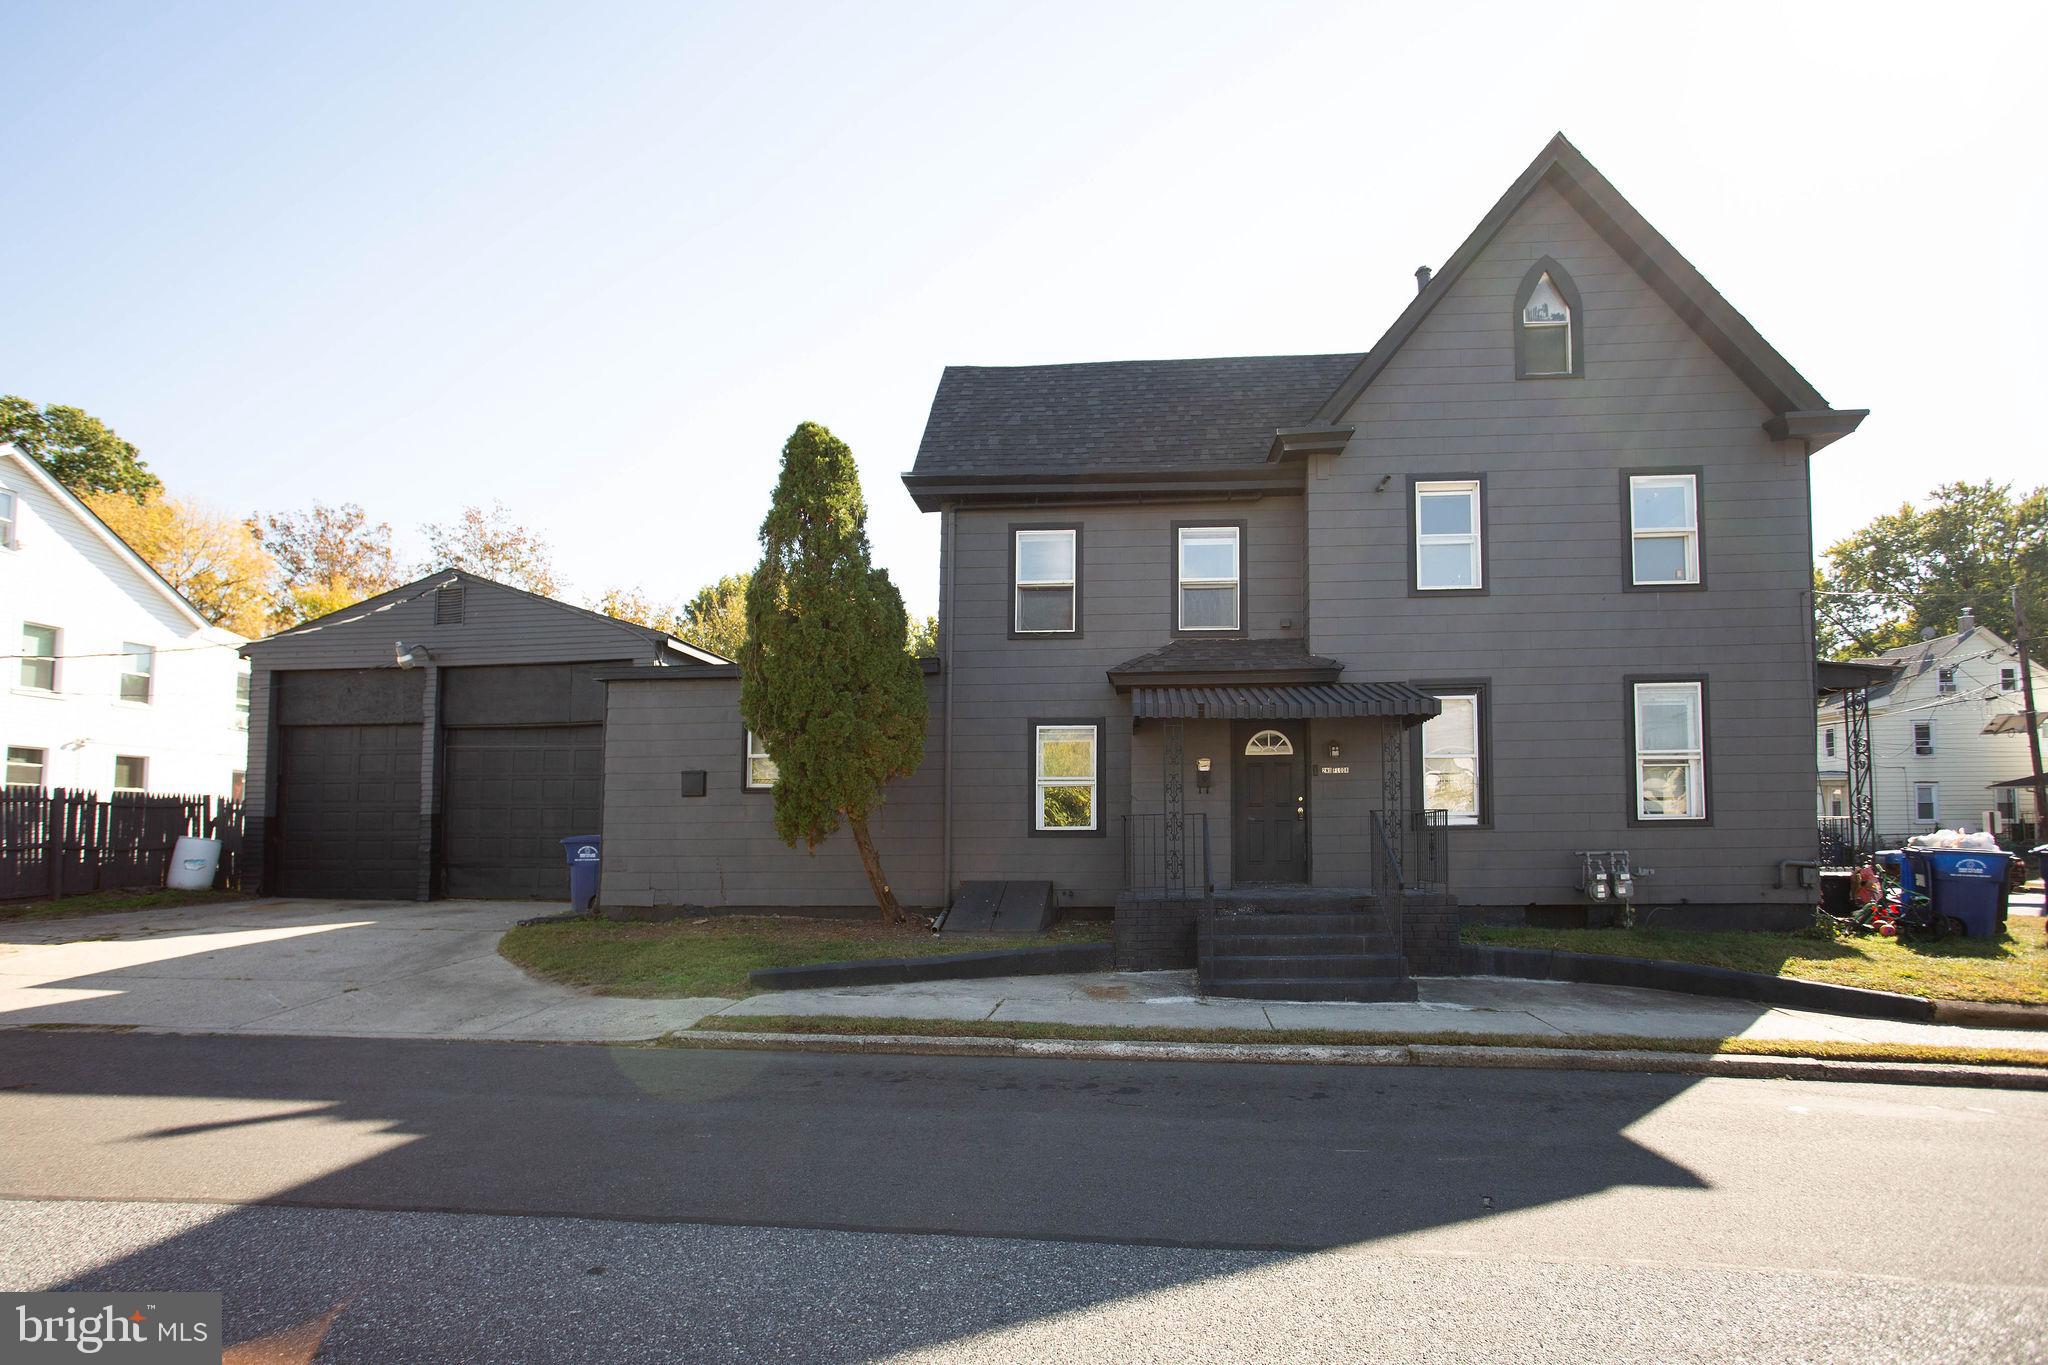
892	913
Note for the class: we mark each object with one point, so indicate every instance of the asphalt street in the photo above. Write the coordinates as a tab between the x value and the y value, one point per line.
530	1202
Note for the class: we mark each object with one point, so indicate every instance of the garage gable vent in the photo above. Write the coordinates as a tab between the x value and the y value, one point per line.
448	605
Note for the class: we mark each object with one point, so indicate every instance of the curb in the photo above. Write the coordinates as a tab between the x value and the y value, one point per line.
1741	1065
1052	959
1689	978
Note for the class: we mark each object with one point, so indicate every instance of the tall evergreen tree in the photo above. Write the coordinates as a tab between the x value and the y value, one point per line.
825	682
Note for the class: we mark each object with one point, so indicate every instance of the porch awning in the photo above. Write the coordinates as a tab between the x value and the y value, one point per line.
1286	701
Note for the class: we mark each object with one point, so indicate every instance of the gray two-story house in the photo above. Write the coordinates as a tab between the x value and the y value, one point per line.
1527	578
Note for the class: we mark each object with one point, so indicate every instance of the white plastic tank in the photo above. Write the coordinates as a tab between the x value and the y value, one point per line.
193	863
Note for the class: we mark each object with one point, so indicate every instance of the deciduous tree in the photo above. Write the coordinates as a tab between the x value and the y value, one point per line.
716	617
488	542
826	683
327	558
80	451
214	561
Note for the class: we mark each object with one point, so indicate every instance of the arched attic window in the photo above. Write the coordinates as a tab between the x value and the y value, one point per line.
1550	324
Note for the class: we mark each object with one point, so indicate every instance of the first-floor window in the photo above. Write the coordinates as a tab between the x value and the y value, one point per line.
2008	804
131	774
238	786
1926	803
1670	751
761	770
1066	769
1451	758
24	767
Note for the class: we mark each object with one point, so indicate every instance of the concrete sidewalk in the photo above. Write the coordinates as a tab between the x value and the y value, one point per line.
1450	1004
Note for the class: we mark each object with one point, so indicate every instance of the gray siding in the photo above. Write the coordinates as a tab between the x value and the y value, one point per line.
997	683
1557	633
721	849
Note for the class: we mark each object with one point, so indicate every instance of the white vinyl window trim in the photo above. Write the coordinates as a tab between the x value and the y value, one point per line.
1046	580
131	773
1051	781
1451	774
1658	533
762	774
138	673
41	646
1209	582
25	766
1926	803
9	510
1923	739
1670	763
1434	548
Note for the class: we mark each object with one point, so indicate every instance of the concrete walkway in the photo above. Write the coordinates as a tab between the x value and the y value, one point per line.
403	969
1447	1004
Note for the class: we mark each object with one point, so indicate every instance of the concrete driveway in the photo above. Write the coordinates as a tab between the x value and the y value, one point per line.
350	968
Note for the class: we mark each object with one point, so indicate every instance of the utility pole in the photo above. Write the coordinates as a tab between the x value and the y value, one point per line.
2019	626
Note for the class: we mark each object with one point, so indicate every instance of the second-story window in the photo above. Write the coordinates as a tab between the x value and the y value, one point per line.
242	699
1664	530
1046	563
1830	737
1210	561
1923	738
7	516
39	657
138	669
1447	536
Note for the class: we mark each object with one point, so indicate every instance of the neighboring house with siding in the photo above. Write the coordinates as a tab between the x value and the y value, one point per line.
1945	731
116	682
1539	558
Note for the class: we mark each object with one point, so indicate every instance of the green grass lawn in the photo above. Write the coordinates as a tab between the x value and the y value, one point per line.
112	903
713	956
2011	970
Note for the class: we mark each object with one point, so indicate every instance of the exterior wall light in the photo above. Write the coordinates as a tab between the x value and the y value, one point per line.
1202	769
1336	750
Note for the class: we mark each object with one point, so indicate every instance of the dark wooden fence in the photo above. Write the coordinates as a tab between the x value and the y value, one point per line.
70	843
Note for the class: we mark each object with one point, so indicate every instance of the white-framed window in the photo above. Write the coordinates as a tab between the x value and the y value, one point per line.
1926	803
138	669
1828	741
2006	801
1923	738
2008	680
1447	533
131	773
1671	753
242	699
1945	682
1451	758
1047	578
1664	529
1268	744
25	766
761	770
39	657
1546	331
9	510
1837	803
1066	768
1209	560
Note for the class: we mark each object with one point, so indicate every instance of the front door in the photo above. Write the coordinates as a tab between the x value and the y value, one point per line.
1269	804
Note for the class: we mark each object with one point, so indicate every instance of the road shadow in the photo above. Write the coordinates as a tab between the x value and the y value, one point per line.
705	1160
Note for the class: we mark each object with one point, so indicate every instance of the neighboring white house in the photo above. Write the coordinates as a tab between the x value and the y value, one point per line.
1932	764
114	682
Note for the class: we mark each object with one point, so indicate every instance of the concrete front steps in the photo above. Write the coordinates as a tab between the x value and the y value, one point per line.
1295	943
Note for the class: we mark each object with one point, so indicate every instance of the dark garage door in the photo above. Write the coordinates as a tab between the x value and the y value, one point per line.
349	811
510	796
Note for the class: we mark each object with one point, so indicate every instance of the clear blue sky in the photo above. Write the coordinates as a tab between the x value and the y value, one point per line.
597	260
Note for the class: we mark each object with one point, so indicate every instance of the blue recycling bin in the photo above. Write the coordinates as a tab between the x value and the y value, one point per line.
1965	884
586	854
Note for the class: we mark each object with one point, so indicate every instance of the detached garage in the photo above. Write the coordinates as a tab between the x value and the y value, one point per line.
436	741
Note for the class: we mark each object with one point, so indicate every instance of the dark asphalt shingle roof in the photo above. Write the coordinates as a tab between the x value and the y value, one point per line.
1228	655
1124	414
